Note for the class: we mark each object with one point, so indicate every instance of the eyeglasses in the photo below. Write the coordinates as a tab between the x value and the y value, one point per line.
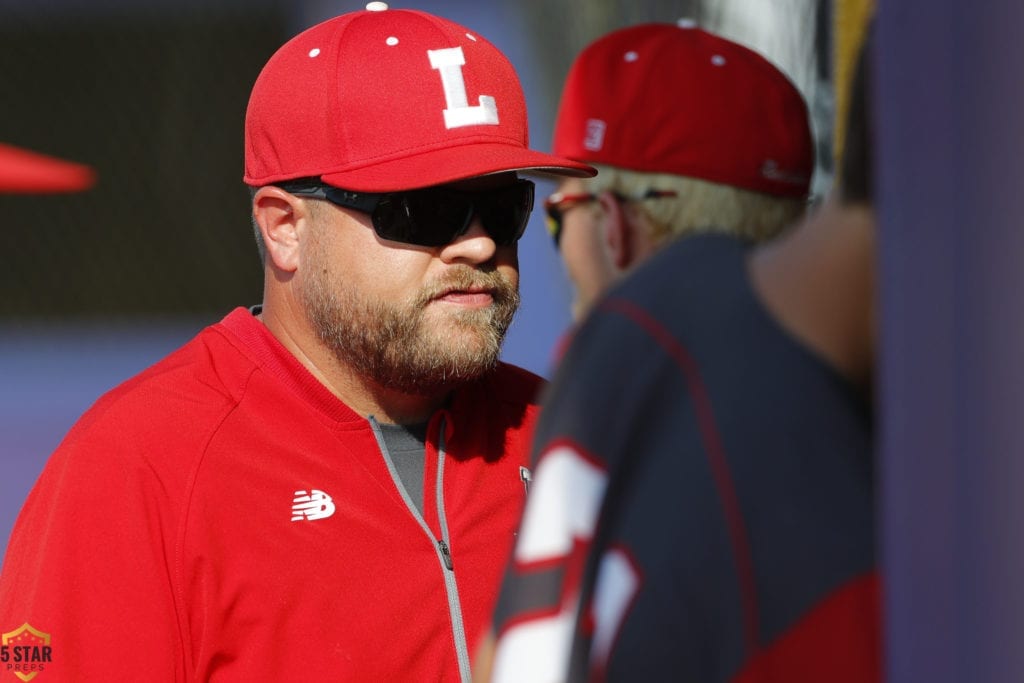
433	216
557	204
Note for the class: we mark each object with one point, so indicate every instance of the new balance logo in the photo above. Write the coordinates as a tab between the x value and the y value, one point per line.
313	505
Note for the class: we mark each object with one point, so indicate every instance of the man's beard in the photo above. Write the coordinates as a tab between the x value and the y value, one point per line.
394	346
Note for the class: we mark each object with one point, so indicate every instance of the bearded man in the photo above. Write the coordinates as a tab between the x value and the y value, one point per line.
325	486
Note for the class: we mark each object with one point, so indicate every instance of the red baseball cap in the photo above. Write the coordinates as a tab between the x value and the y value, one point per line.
672	98
26	172
381	100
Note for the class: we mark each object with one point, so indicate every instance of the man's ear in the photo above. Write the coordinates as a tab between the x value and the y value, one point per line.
279	215
618	231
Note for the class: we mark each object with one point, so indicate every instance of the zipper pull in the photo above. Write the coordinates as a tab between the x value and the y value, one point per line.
446	554
526	478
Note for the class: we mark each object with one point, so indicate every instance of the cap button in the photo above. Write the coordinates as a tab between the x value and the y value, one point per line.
686	22
376	6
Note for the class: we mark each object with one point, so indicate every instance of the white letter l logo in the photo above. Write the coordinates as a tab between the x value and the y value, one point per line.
458	113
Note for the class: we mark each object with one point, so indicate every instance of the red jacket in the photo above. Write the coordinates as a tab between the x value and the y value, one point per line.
224	517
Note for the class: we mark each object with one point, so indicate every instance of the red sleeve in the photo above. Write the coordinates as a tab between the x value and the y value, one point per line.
90	566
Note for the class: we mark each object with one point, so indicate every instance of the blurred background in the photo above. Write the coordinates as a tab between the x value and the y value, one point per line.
99	284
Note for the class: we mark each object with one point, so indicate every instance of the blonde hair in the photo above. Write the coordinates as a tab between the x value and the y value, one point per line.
699	205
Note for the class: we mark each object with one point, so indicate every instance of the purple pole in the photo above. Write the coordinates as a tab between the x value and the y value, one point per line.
950	101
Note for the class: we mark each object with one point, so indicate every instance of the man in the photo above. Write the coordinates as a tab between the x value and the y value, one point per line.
712	517
690	132
325	487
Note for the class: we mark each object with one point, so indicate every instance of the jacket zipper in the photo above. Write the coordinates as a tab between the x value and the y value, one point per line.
446	555
441	545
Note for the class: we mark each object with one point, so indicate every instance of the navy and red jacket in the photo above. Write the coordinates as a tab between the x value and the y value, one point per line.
702	505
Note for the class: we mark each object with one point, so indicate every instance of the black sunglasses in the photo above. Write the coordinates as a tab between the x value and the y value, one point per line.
559	202
433	216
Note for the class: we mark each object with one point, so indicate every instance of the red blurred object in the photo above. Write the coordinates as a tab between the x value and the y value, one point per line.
26	172
672	98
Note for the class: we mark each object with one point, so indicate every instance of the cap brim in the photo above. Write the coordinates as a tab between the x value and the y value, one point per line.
27	172
450	164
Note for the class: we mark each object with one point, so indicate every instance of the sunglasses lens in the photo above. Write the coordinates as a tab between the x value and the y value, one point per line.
436	216
505	211
554	224
440	215
424	218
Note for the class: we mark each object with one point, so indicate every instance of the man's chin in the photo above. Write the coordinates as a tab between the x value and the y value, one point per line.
467	336
447	374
